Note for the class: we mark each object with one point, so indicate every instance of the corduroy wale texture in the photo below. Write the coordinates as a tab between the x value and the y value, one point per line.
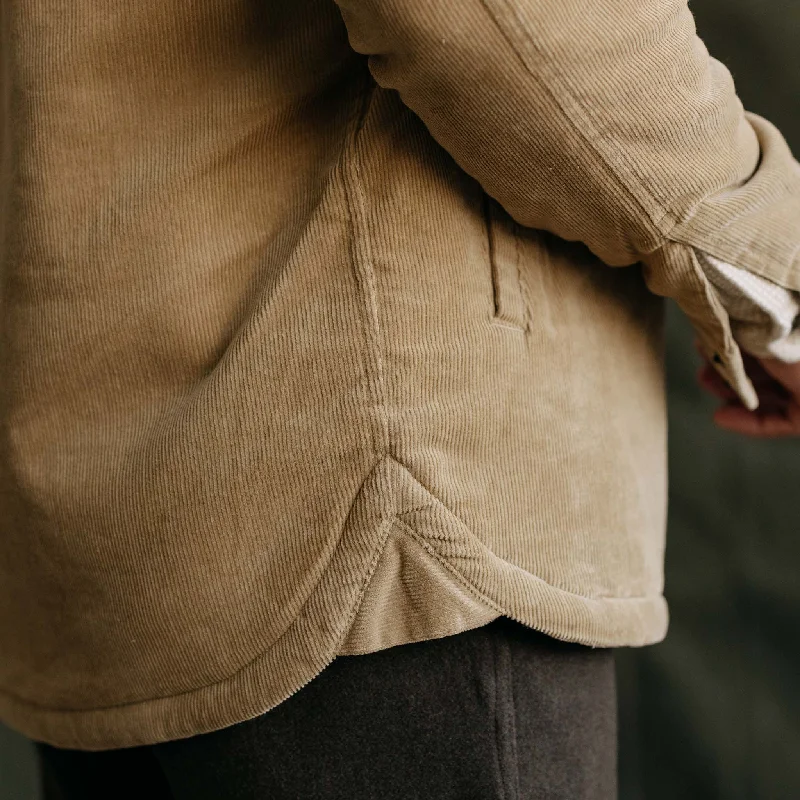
311	341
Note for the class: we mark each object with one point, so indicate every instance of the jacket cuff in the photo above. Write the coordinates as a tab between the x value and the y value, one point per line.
755	225
765	317
674	271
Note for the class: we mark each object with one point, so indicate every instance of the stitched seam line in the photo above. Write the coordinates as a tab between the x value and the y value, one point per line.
437	504
755	247
363	264
376	556
499	285
525	316
589	118
476	592
665	214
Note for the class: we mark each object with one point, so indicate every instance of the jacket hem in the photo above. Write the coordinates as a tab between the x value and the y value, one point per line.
315	637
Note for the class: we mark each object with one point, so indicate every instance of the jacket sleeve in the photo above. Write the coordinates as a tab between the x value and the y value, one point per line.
605	122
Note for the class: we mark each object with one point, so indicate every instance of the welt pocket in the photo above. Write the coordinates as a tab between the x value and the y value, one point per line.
510	308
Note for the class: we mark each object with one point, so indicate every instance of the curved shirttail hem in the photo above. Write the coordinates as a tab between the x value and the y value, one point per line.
605	621
313	639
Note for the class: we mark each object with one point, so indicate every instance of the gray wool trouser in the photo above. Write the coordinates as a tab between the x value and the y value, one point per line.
499	711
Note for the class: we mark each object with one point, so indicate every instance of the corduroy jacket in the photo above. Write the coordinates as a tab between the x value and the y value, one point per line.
327	327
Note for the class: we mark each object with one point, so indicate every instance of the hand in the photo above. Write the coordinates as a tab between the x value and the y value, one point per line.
778	387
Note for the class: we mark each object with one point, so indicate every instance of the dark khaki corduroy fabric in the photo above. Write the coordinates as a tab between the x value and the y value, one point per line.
297	357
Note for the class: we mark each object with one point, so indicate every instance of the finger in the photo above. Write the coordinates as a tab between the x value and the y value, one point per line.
759	423
756	372
754	368
775	381
771	395
766	383
786	374
710	380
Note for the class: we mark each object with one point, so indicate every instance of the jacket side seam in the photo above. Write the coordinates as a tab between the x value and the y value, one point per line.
363	266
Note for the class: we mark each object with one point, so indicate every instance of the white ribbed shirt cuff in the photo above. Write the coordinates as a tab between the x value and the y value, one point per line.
765	317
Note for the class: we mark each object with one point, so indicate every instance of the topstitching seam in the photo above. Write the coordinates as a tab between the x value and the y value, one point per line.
665	212
363	264
469	586
385	523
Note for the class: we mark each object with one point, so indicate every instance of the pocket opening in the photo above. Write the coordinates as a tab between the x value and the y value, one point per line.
510	308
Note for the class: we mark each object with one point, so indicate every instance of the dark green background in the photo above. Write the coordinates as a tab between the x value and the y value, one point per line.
713	712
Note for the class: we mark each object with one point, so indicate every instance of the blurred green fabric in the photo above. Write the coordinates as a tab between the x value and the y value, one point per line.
713	712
